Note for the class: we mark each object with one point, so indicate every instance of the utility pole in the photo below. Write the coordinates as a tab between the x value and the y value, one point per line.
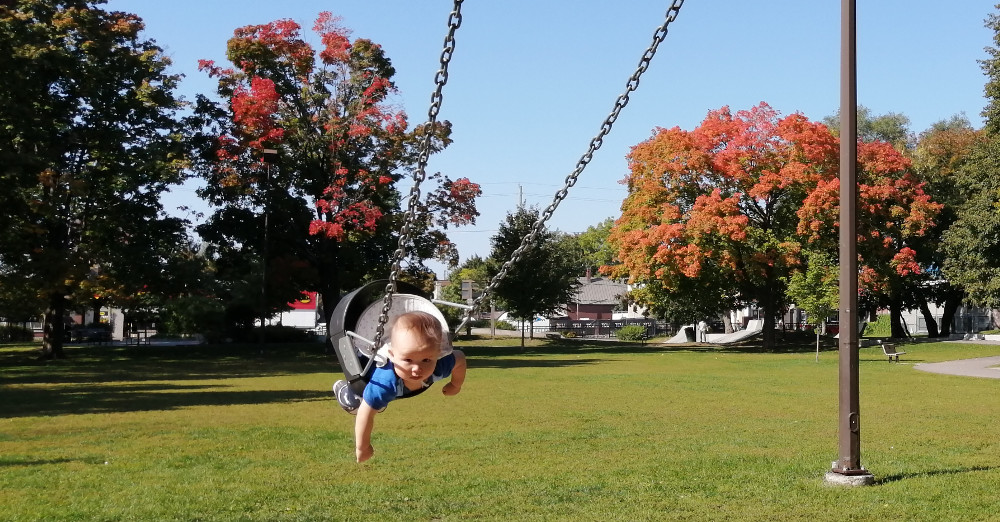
847	470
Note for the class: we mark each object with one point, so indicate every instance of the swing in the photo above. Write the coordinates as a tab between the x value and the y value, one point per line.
355	320
358	322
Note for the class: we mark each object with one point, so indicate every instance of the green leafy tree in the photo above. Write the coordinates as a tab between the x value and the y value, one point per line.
891	128
473	270
591	247
940	153
543	280
972	243
816	290
326	201
89	138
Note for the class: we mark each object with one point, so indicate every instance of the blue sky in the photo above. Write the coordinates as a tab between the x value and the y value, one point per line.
532	80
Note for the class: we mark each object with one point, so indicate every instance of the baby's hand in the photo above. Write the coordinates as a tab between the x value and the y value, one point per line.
364	454
451	389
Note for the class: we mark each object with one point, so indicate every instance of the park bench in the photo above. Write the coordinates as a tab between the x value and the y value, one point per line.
889	349
553	335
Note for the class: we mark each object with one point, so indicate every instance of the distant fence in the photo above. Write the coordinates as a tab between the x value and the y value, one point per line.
607	327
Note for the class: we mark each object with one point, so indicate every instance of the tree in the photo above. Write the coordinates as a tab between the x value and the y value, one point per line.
89	138
326	200
591	247
731	204
716	207
473	270
972	243
544	279
816	290
891	128
940	153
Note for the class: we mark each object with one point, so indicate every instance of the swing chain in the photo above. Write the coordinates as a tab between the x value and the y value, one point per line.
633	83
440	79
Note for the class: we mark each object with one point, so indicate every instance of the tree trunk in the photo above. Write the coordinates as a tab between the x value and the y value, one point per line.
767	299
768	331
897	331
727	323
54	328
932	326
951	304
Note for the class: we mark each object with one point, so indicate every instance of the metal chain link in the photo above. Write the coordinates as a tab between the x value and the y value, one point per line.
633	83
440	79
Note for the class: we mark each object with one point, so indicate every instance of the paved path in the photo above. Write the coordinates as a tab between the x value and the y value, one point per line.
980	367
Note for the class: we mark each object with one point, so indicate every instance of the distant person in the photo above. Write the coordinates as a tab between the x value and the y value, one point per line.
413	363
702	331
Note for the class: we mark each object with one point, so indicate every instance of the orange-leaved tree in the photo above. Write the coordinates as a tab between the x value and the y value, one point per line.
730	204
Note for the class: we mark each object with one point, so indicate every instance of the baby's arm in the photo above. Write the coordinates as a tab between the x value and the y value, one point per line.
457	375
363	424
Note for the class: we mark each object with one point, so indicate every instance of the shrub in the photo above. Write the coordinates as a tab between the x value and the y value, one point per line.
879	328
632	332
16	334
569	335
504	325
193	315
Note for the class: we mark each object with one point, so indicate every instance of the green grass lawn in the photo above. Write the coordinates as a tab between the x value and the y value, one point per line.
563	430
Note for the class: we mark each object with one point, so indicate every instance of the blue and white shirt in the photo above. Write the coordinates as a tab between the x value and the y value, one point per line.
385	386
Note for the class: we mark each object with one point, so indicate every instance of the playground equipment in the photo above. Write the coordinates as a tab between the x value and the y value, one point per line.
355	312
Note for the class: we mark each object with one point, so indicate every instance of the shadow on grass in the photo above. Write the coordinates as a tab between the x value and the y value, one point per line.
103	379
789	343
101	398
87	364
918	474
10	462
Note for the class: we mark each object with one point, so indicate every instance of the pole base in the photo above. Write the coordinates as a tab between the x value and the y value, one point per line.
839	479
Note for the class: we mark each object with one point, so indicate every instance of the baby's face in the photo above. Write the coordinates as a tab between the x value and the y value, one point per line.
412	362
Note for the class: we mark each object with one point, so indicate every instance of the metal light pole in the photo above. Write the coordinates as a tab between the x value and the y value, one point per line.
847	469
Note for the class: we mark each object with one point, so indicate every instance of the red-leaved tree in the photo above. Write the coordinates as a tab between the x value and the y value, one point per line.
304	162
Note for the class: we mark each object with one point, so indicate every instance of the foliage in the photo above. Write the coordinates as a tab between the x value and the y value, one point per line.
591	248
12	333
815	289
543	280
881	327
194	314
176	424
972	243
991	67
504	325
730	205
938	157
631	332
324	209
891	128
90	138
474	270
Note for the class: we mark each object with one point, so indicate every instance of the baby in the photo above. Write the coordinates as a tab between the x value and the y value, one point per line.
413	365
